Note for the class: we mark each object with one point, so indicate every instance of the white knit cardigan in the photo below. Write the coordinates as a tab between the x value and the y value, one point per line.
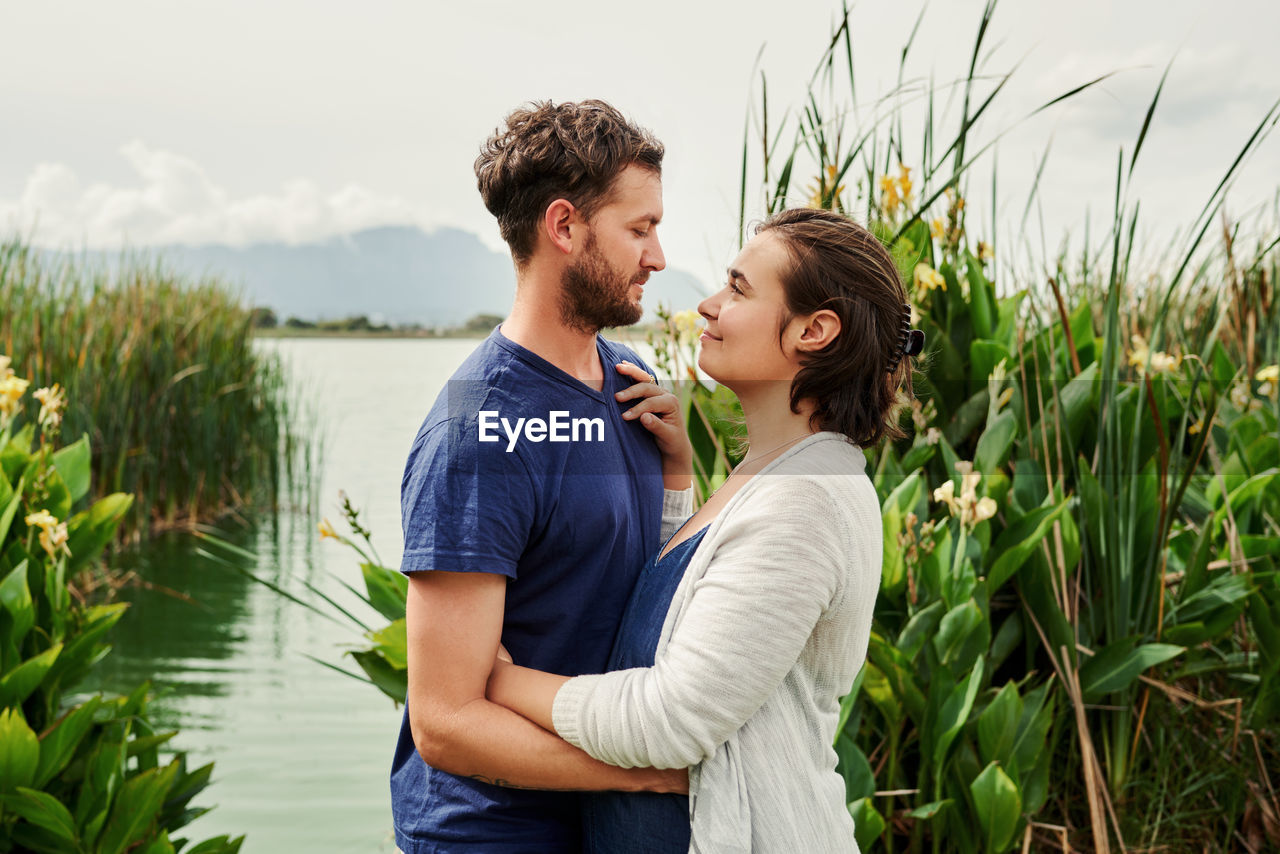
765	633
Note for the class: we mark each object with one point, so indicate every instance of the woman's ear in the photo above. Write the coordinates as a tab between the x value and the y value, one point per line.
560	216
819	330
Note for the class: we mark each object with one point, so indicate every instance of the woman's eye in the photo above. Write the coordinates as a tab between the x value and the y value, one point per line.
735	288
640	233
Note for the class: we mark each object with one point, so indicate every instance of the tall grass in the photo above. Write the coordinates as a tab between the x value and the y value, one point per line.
181	409
1019	665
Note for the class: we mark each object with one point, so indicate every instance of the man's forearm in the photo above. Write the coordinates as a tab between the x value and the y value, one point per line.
490	743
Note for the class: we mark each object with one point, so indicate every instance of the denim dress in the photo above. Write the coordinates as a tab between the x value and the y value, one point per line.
642	822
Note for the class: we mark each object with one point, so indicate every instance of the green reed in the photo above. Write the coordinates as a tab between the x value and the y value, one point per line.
1020	664
180	407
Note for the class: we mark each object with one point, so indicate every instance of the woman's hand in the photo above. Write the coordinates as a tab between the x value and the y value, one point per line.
659	412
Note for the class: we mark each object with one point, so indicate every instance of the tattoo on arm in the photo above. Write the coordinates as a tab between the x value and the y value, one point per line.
507	784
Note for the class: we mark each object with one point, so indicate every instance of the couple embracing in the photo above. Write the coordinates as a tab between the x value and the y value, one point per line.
593	666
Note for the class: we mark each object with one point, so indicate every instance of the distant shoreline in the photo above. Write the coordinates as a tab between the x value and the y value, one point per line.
631	333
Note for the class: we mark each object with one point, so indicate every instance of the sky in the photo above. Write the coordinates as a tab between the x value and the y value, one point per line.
236	122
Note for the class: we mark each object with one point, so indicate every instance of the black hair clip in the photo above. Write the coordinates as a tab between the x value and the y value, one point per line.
910	341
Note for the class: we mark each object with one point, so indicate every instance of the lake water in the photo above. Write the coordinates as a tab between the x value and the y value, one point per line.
301	752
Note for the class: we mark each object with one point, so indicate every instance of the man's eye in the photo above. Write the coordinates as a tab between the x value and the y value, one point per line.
641	232
735	288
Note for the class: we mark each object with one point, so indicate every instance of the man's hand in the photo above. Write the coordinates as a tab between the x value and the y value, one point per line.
659	412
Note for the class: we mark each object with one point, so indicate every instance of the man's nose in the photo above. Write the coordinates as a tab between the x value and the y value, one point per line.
653	259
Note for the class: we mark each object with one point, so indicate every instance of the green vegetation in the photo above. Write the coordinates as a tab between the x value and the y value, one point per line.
1077	640
185	413
77	774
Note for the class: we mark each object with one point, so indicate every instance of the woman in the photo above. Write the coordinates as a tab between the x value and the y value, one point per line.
752	621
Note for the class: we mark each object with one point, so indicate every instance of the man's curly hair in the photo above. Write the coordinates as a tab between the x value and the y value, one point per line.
570	151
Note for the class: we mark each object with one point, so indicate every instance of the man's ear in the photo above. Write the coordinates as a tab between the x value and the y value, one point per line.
818	330
558	222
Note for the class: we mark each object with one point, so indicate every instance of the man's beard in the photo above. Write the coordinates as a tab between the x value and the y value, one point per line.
594	295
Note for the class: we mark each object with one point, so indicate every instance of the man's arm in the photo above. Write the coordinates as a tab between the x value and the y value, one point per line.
454	626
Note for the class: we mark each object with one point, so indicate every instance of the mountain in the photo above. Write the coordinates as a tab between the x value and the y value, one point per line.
396	274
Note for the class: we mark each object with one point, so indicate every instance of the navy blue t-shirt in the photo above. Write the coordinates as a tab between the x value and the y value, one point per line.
567	504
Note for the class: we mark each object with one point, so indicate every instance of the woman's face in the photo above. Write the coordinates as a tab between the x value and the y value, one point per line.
740	343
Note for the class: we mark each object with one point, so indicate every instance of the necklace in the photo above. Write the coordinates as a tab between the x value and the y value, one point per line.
739	466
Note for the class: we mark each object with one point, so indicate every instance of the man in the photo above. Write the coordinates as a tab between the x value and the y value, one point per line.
530	498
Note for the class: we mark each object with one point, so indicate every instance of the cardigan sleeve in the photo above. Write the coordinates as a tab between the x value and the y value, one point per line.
677	506
777	565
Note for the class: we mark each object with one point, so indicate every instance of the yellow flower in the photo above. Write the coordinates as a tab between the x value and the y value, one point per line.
985	251
53	534
1004	398
889	198
1270	379
687	324
938	229
1196	427
904	182
967	507
1158	362
52	401
11	391
984	509
946	494
929	279
825	184
327	531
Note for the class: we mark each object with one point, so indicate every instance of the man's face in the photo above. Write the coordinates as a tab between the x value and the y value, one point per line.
604	285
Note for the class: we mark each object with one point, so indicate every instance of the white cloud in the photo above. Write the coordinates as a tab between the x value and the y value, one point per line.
174	201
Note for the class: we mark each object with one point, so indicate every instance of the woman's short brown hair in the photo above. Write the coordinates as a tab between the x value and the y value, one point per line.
856	382
570	151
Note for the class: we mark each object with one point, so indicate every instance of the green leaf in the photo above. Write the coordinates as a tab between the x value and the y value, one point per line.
994	443
17	684
392	682
868	824
922	626
1117	666
925	812
16	455
84	648
6	515
136	805
387	589
984	355
999	806
392	643
955	712
981	301
90	531
19	751
218	845
1018	541
59	742
15	597
44	811
159	845
951	643
998	725
72	462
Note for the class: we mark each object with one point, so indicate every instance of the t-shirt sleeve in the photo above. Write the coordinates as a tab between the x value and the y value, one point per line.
466	505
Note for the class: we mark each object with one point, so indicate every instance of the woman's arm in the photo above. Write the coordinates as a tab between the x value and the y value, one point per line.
454	621
779	563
